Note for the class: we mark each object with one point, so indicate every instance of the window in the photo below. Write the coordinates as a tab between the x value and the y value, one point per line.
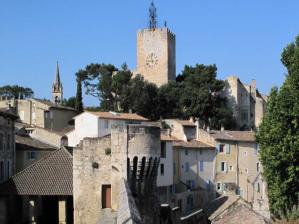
1	171
240	192
47	114
162	169
244	116
219	186
191	184
8	142
256	148
200	152
22	115
245	153
163	149
201	166
106	124
31	155
231	168
186	152
7	169
1	141
174	168
257	167
221	148
187	168
223	166
258	188
246	170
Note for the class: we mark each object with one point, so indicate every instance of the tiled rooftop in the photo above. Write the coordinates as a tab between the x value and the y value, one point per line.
52	175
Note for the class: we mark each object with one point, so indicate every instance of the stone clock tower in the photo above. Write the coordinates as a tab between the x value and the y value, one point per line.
156	53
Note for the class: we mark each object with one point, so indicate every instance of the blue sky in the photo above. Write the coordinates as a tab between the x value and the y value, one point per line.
244	38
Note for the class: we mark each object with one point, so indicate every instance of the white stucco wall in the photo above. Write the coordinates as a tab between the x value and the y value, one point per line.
193	158
86	125
167	178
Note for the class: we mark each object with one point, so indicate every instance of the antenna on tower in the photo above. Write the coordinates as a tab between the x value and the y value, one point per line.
152	16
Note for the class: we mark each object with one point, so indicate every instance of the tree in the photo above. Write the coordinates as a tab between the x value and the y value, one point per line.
70	102
203	96
140	97
278	138
16	91
78	99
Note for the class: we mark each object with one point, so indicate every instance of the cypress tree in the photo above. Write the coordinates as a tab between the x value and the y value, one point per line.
79	103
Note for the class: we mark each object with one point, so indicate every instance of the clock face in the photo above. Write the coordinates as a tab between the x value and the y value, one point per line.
151	60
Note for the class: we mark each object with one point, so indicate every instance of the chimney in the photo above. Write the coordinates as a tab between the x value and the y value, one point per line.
208	129
222	128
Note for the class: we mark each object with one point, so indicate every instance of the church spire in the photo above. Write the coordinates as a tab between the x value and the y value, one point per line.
57	90
57	79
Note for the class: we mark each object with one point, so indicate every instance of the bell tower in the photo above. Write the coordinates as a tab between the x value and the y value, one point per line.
57	90
156	60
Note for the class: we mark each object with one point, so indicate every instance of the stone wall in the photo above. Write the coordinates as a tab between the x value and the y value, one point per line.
131	153
156	55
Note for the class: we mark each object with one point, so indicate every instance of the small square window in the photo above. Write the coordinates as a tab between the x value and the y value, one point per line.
221	148
162	169
31	155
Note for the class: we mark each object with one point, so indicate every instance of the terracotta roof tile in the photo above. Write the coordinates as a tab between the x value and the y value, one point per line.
246	136
52	175
118	116
192	144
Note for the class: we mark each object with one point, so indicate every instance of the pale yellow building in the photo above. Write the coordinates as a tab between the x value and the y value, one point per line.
247	103
237	166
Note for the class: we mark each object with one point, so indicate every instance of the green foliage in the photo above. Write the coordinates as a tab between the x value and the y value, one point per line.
202	96
16	91
78	99
278	136
196	93
70	102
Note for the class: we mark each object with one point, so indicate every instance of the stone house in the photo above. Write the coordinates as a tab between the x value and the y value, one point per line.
231	209
247	103
29	150
109	179
165	171
41	113
193	167
237	166
98	124
7	145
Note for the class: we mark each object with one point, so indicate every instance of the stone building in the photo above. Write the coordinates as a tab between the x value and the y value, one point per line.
247	103
30	150
193	167
231	209
7	145
156	60
98	124
237	166
156	55
41	113
109	179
